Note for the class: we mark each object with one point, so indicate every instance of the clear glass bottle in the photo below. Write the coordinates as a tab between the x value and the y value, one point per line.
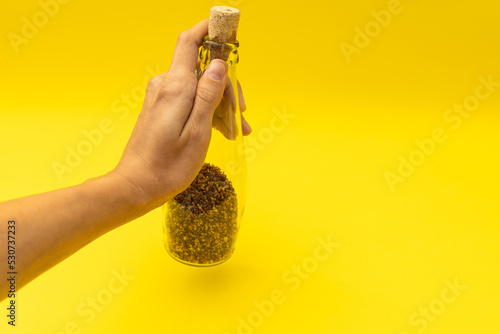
200	225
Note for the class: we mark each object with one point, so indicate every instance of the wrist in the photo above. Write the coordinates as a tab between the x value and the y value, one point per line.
141	191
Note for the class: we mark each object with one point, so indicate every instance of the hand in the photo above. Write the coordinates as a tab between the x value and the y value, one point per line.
170	140
164	154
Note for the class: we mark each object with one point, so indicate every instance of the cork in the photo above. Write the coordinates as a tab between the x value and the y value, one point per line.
223	24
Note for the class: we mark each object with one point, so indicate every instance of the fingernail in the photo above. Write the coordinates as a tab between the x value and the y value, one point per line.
216	70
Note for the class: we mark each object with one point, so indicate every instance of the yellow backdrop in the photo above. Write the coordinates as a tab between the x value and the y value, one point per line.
372	170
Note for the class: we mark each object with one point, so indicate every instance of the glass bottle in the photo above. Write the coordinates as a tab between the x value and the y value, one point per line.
200	225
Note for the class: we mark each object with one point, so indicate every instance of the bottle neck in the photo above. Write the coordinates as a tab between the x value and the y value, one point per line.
211	50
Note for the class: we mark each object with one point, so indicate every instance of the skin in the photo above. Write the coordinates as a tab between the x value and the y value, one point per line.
165	152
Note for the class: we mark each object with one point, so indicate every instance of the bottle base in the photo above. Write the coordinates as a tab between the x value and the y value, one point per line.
197	264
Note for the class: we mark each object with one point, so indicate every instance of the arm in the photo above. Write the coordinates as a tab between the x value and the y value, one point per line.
54	225
164	154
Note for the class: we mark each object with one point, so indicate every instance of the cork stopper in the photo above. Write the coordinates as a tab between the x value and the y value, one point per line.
223	24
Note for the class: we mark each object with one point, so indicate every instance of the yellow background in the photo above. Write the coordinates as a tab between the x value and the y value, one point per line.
320	176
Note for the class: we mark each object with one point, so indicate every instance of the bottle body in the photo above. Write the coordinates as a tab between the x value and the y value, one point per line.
200	225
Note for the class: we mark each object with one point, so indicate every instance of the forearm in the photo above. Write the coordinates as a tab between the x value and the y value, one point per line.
52	226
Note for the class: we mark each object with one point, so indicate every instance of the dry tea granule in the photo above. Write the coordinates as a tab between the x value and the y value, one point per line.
202	220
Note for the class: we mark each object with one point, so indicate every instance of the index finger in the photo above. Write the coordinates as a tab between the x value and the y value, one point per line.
185	56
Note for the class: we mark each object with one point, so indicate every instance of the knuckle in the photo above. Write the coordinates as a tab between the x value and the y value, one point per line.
183	37
154	82
169	87
175	87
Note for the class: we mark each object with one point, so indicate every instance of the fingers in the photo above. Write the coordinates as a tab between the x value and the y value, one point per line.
246	128
185	55
228	102
194	101
170	96
243	105
208	96
219	124
224	119
152	87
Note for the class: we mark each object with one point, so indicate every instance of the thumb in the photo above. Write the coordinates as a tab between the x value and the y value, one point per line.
208	94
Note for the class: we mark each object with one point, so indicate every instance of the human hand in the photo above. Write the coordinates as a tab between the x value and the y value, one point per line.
170	140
